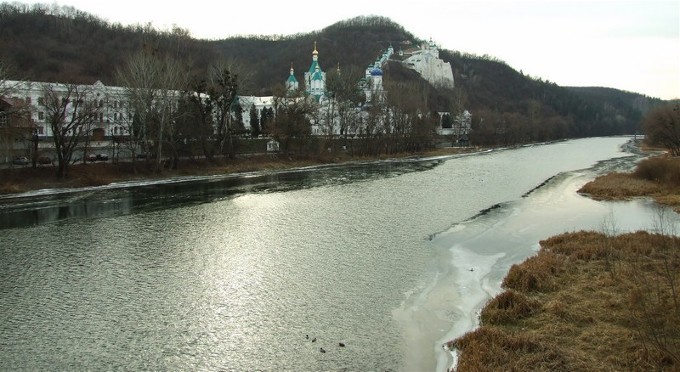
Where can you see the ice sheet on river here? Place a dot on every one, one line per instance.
(481, 250)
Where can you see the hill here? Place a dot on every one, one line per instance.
(50, 43)
(528, 106)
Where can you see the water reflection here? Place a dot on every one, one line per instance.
(121, 199)
(235, 279)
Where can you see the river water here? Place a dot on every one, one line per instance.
(262, 271)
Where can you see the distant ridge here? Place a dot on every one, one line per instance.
(47, 43)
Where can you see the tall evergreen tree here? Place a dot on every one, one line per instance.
(254, 122)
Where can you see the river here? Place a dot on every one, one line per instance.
(272, 271)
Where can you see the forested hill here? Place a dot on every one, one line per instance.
(508, 98)
(47, 43)
(63, 44)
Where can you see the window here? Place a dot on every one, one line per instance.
(101, 103)
(41, 130)
(41, 116)
(101, 117)
(41, 101)
(3, 119)
(28, 100)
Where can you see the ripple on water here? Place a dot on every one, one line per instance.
(233, 277)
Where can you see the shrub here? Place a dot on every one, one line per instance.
(508, 307)
(659, 169)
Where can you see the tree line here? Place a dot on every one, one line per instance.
(174, 115)
(510, 107)
(61, 44)
(662, 127)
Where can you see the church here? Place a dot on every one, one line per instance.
(315, 78)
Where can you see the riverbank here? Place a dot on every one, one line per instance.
(22, 179)
(657, 178)
(590, 300)
(255, 258)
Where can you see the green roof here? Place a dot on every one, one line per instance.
(314, 66)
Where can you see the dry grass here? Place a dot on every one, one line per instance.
(619, 186)
(588, 301)
(611, 304)
(536, 274)
(508, 307)
(657, 177)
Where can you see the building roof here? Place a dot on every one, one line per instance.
(314, 66)
(317, 75)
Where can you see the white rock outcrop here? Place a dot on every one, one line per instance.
(427, 63)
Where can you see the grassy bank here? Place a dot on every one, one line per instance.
(657, 177)
(588, 301)
(21, 179)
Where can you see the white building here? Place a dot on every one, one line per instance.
(114, 114)
(260, 103)
(112, 108)
(460, 127)
(372, 83)
(427, 63)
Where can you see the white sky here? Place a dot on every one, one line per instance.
(629, 45)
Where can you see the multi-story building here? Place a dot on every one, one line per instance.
(112, 110)
(113, 115)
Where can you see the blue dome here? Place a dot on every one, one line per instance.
(376, 71)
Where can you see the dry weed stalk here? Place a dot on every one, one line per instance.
(586, 301)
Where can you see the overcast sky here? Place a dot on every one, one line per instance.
(629, 45)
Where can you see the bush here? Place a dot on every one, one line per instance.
(662, 127)
(659, 169)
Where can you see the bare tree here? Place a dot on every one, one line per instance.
(244, 72)
(662, 127)
(199, 117)
(342, 85)
(70, 116)
(6, 87)
(223, 92)
(139, 77)
(171, 78)
(292, 119)
(152, 84)
(15, 114)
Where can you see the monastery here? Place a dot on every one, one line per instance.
(114, 114)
